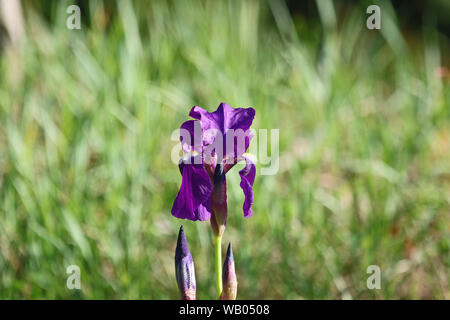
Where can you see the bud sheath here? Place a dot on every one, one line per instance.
(219, 200)
(229, 279)
(184, 268)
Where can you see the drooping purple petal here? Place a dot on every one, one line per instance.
(193, 199)
(247, 178)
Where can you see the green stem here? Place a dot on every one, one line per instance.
(218, 256)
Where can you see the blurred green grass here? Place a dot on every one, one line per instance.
(86, 118)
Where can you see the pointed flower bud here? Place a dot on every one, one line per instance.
(219, 200)
(229, 279)
(184, 268)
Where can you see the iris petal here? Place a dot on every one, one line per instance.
(193, 199)
(226, 121)
(191, 136)
(247, 178)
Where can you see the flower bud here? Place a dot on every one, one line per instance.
(184, 268)
(229, 280)
(219, 200)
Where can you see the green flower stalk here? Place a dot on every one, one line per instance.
(218, 219)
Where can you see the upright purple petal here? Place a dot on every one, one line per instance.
(225, 117)
(191, 136)
(193, 199)
(229, 123)
(247, 178)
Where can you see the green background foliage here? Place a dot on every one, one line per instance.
(86, 177)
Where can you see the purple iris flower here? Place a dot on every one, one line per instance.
(213, 143)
